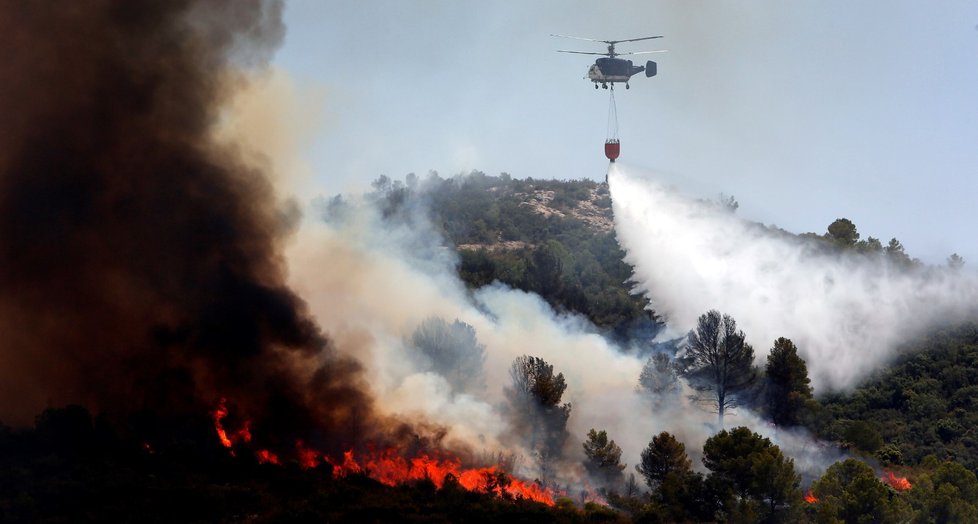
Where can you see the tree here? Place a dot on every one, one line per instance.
(631, 486)
(955, 261)
(947, 494)
(603, 461)
(728, 454)
(896, 255)
(728, 203)
(663, 457)
(452, 351)
(775, 483)
(788, 391)
(754, 469)
(850, 492)
(843, 232)
(863, 435)
(870, 246)
(658, 379)
(534, 406)
(718, 362)
(678, 493)
(547, 268)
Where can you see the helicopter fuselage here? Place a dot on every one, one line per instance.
(611, 70)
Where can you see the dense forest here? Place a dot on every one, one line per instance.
(906, 434)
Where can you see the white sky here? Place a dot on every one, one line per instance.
(805, 111)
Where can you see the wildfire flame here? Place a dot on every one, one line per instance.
(390, 468)
(811, 498)
(895, 482)
(267, 457)
(243, 434)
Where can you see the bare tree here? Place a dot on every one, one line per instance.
(631, 488)
(658, 380)
(718, 362)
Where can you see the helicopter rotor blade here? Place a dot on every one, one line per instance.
(581, 52)
(577, 38)
(643, 52)
(613, 42)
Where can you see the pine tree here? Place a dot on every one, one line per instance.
(533, 404)
(718, 362)
(663, 457)
(788, 391)
(603, 461)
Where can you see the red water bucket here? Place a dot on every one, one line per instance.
(612, 148)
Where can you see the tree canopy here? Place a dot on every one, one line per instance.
(533, 404)
(850, 492)
(658, 380)
(843, 232)
(753, 469)
(664, 456)
(452, 351)
(603, 459)
(788, 393)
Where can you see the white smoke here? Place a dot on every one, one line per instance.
(370, 283)
(847, 315)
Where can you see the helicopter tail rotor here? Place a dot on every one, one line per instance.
(650, 69)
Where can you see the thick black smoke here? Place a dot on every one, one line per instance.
(139, 263)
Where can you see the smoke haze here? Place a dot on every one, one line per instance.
(148, 263)
(382, 288)
(848, 315)
(139, 259)
(370, 282)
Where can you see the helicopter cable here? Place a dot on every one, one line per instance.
(612, 118)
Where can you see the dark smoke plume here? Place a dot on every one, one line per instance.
(139, 261)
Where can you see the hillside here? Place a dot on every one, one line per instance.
(554, 238)
(925, 404)
(911, 426)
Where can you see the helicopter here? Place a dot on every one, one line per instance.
(608, 70)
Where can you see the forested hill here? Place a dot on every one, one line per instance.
(916, 419)
(554, 238)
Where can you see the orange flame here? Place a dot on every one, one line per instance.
(592, 495)
(219, 413)
(308, 458)
(895, 482)
(243, 434)
(811, 498)
(388, 467)
(267, 457)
